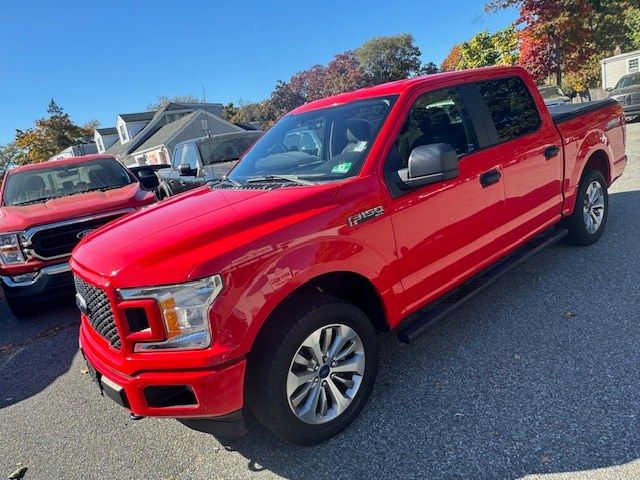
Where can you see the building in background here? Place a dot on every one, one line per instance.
(613, 68)
(76, 151)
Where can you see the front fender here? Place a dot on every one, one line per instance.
(293, 267)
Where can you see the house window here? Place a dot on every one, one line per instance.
(633, 65)
(123, 133)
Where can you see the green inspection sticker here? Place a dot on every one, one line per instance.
(341, 167)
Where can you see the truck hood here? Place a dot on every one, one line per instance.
(18, 218)
(164, 243)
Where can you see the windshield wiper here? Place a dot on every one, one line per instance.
(225, 179)
(35, 200)
(288, 178)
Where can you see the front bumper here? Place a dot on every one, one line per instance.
(52, 281)
(217, 392)
(631, 110)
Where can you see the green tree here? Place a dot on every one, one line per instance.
(9, 155)
(632, 23)
(385, 59)
(49, 136)
(485, 49)
(229, 111)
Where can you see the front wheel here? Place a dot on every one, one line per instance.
(313, 370)
(589, 217)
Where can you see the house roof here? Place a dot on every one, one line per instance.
(107, 131)
(166, 132)
(137, 117)
(622, 56)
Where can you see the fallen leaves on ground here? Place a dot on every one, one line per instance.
(569, 314)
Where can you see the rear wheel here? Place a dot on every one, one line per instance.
(313, 369)
(589, 217)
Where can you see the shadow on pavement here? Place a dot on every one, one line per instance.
(539, 374)
(35, 351)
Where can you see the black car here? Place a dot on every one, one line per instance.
(196, 162)
(627, 93)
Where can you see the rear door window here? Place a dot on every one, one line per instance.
(512, 109)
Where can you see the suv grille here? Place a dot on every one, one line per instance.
(57, 241)
(99, 311)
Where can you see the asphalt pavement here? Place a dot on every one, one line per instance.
(537, 377)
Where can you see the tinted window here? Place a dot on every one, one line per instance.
(436, 117)
(225, 148)
(33, 186)
(512, 109)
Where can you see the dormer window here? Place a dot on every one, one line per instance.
(124, 137)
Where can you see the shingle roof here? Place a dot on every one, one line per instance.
(137, 117)
(107, 131)
(162, 135)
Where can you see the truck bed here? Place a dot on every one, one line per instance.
(569, 111)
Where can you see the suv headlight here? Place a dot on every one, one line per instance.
(10, 252)
(184, 308)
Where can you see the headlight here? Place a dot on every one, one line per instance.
(184, 308)
(10, 252)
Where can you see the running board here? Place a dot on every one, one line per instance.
(475, 285)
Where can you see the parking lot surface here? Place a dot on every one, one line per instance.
(537, 377)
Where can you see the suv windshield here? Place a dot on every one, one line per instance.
(321, 145)
(225, 148)
(628, 80)
(33, 186)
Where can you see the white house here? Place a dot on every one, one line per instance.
(105, 137)
(613, 68)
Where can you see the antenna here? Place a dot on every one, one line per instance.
(204, 101)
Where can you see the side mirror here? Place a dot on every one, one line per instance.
(430, 164)
(148, 180)
(184, 170)
(609, 89)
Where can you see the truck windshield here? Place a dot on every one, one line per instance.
(34, 186)
(225, 148)
(321, 145)
(628, 81)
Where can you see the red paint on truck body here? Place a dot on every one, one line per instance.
(266, 244)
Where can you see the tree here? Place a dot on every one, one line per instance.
(478, 52)
(308, 84)
(282, 100)
(344, 73)
(229, 111)
(385, 59)
(450, 63)
(9, 155)
(163, 101)
(632, 22)
(49, 136)
(428, 69)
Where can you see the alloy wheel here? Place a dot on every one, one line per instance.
(593, 207)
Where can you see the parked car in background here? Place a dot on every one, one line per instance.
(265, 290)
(627, 93)
(45, 209)
(553, 95)
(205, 159)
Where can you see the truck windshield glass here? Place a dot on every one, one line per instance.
(628, 81)
(34, 186)
(226, 148)
(321, 145)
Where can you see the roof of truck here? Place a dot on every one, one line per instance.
(64, 161)
(399, 86)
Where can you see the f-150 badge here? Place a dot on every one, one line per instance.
(361, 217)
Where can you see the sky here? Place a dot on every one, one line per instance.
(99, 59)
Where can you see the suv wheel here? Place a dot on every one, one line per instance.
(589, 217)
(313, 370)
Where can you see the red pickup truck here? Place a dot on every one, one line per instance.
(266, 289)
(45, 209)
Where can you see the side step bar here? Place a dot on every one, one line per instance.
(465, 292)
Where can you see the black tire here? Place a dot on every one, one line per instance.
(274, 351)
(579, 233)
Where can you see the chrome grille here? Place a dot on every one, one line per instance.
(99, 311)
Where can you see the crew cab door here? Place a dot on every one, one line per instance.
(444, 231)
(530, 150)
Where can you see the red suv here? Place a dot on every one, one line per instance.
(45, 209)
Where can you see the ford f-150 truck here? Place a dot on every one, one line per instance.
(45, 209)
(265, 291)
